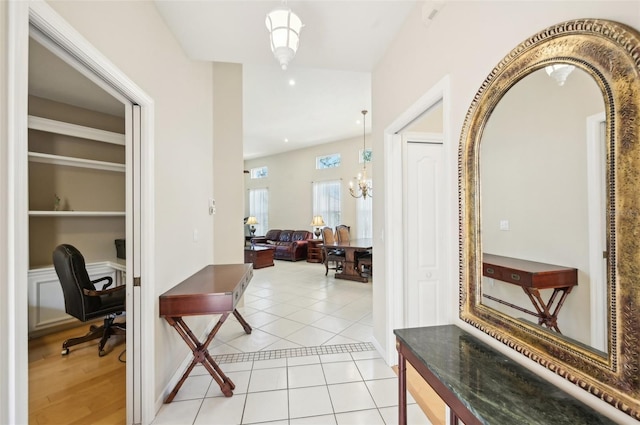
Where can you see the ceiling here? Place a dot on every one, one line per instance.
(340, 43)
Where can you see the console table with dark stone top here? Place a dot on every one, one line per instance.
(481, 385)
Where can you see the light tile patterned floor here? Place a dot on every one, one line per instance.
(309, 359)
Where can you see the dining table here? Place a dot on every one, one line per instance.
(350, 269)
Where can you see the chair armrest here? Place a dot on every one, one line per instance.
(91, 293)
(104, 278)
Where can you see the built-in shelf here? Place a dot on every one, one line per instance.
(74, 130)
(76, 213)
(69, 161)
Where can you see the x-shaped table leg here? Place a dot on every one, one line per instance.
(545, 315)
(201, 353)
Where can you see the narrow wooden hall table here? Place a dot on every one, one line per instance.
(216, 289)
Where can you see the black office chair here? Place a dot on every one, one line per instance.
(84, 302)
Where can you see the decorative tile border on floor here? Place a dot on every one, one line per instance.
(293, 352)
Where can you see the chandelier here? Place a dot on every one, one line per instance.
(559, 72)
(284, 29)
(361, 187)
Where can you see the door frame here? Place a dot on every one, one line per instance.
(395, 275)
(14, 391)
(596, 181)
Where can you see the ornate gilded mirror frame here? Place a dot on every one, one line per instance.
(610, 53)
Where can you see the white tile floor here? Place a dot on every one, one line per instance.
(341, 380)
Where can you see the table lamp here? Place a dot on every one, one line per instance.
(252, 220)
(318, 222)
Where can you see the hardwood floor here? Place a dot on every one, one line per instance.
(79, 388)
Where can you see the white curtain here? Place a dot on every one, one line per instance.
(364, 216)
(259, 208)
(327, 201)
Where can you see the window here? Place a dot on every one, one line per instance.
(259, 208)
(326, 201)
(365, 155)
(328, 161)
(364, 216)
(260, 172)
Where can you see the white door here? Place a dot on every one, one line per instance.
(423, 230)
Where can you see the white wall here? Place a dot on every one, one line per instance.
(465, 41)
(7, 387)
(228, 240)
(290, 179)
(134, 37)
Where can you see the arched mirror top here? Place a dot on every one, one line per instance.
(609, 53)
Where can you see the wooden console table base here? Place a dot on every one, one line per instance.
(212, 290)
(201, 353)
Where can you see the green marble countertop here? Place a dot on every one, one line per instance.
(496, 389)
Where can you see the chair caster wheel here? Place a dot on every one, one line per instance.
(65, 351)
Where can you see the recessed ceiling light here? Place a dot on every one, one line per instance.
(358, 122)
(286, 140)
(292, 82)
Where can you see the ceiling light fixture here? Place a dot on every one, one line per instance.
(284, 29)
(363, 188)
(559, 72)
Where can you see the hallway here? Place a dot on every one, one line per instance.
(309, 359)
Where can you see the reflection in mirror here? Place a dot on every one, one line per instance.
(543, 199)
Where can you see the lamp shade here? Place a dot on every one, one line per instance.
(317, 221)
(284, 30)
(252, 220)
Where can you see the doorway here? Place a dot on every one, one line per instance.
(598, 250)
(396, 231)
(38, 19)
(77, 164)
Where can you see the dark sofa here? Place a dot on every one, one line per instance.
(288, 245)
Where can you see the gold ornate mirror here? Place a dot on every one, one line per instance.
(549, 185)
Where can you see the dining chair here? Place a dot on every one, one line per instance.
(343, 233)
(330, 253)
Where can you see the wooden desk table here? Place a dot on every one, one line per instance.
(481, 385)
(532, 276)
(213, 290)
(350, 270)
